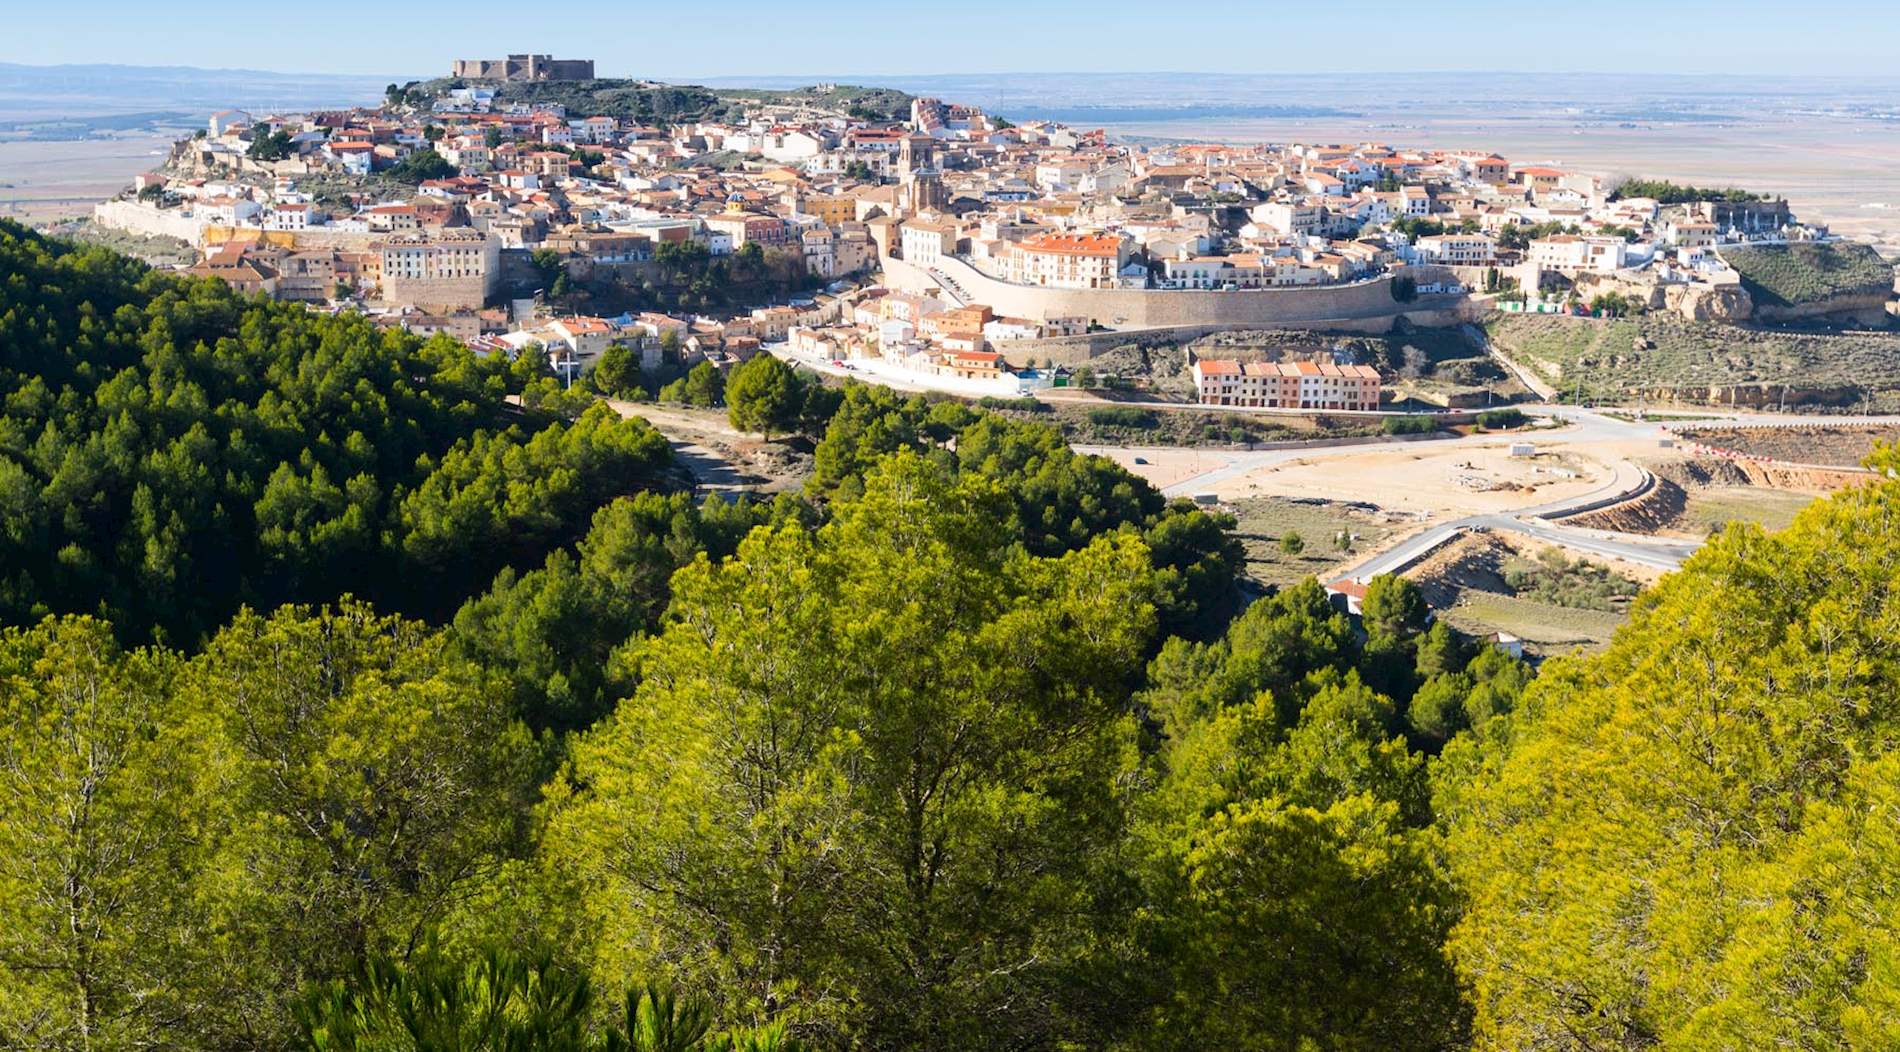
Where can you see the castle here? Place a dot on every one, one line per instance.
(524, 67)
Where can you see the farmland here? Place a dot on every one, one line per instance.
(1711, 509)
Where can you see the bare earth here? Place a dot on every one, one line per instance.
(1418, 478)
(45, 181)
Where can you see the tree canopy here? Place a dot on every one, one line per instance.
(1689, 841)
(169, 449)
(346, 704)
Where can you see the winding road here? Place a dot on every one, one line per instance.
(1580, 427)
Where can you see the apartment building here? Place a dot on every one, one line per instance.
(1458, 250)
(750, 227)
(1286, 385)
(1571, 254)
(925, 242)
(1069, 261)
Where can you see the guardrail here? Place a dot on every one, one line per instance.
(1644, 483)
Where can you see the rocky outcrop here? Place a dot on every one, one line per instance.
(1700, 302)
(1724, 301)
(1868, 309)
(1763, 395)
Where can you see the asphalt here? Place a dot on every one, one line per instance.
(1578, 426)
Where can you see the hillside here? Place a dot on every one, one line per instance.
(452, 733)
(1690, 840)
(646, 101)
(873, 104)
(1665, 357)
(170, 450)
(1801, 275)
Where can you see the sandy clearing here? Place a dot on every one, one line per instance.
(1462, 480)
(1167, 467)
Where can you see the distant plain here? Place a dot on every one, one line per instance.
(1831, 145)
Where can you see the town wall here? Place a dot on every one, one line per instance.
(135, 218)
(309, 239)
(1077, 349)
(461, 293)
(1305, 307)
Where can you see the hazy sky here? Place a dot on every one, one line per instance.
(738, 37)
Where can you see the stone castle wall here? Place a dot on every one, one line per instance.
(523, 68)
(467, 293)
(136, 218)
(1326, 306)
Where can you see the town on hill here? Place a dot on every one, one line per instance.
(521, 201)
(540, 561)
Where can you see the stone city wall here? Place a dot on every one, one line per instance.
(468, 293)
(135, 218)
(1369, 300)
(1074, 350)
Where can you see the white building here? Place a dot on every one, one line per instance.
(1570, 254)
(286, 216)
(926, 243)
(1460, 250)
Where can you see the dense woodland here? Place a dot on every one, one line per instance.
(347, 706)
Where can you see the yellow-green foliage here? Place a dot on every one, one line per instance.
(1690, 840)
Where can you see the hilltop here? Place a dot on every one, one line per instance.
(1660, 356)
(1802, 279)
(646, 100)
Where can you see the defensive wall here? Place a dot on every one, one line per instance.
(139, 218)
(1074, 350)
(136, 218)
(1363, 306)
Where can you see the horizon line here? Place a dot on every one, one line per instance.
(854, 79)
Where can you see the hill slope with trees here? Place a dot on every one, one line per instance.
(169, 450)
(970, 745)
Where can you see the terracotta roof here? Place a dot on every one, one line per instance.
(1074, 244)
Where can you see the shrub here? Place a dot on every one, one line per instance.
(1122, 416)
(1019, 405)
(1409, 425)
(1785, 275)
(1501, 419)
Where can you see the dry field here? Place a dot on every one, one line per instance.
(1485, 583)
(1264, 522)
(1426, 478)
(45, 181)
(1842, 447)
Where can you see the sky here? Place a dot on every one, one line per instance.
(679, 41)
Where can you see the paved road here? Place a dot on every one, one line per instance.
(1629, 483)
(1577, 426)
(1531, 381)
(1653, 552)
